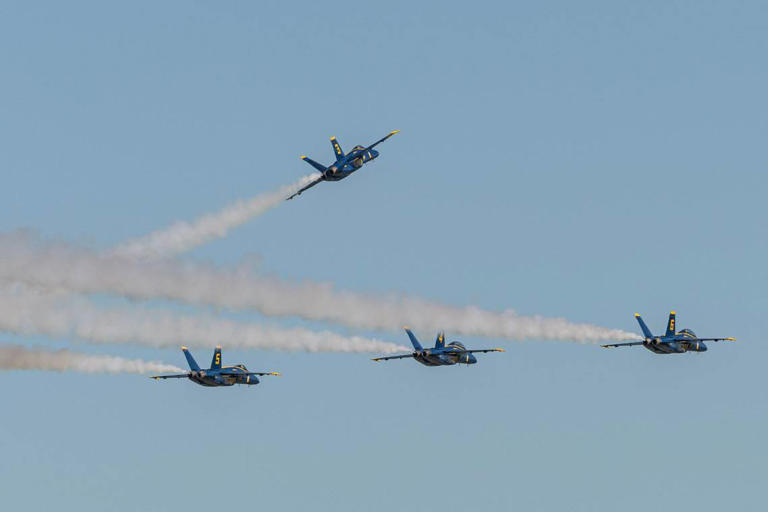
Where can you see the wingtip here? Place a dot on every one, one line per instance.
(500, 350)
(333, 137)
(637, 315)
(394, 132)
(605, 346)
(672, 313)
(405, 327)
(730, 339)
(303, 157)
(184, 348)
(278, 374)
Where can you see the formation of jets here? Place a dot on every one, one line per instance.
(442, 354)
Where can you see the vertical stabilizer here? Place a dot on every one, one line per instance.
(337, 149)
(646, 331)
(319, 167)
(190, 360)
(671, 324)
(416, 345)
(216, 361)
(440, 340)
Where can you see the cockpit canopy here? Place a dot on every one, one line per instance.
(458, 344)
(687, 333)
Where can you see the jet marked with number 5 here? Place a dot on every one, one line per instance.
(671, 342)
(216, 375)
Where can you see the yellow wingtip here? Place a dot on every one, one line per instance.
(277, 373)
(303, 157)
(672, 313)
(394, 132)
(731, 339)
(333, 138)
(184, 348)
(637, 314)
(406, 328)
(500, 350)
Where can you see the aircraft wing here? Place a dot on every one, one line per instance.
(483, 350)
(614, 345)
(175, 376)
(312, 184)
(379, 141)
(240, 374)
(387, 358)
(715, 339)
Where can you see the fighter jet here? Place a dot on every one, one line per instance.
(442, 354)
(672, 342)
(345, 164)
(216, 375)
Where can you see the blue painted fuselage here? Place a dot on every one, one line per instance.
(227, 376)
(678, 343)
(453, 353)
(349, 163)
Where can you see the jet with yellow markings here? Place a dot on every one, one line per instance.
(671, 342)
(442, 354)
(345, 164)
(216, 375)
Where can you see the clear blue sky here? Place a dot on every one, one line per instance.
(576, 159)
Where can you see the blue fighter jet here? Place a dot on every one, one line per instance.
(345, 164)
(672, 342)
(216, 375)
(442, 354)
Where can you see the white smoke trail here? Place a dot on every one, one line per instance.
(84, 271)
(15, 357)
(24, 311)
(184, 236)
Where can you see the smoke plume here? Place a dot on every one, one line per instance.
(80, 270)
(184, 236)
(26, 311)
(15, 357)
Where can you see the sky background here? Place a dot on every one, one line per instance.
(578, 159)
